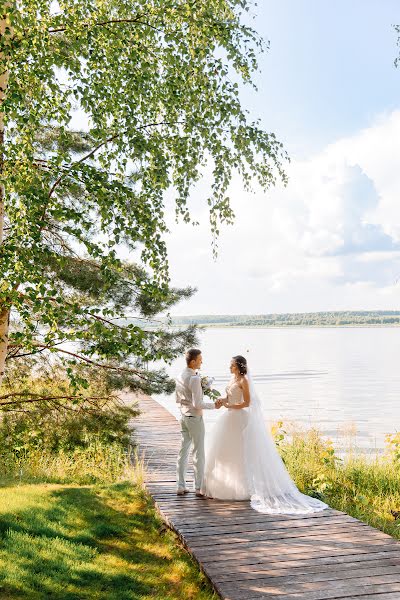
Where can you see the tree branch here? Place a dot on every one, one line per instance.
(86, 314)
(39, 398)
(41, 349)
(97, 364)
(110, 22)
(92, 152)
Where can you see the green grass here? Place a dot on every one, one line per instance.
(100, 541)
(363, 487)
(96, 463)
(79, 525)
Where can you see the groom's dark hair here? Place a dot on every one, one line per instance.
(192, 354)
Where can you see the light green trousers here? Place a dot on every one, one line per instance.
(192, 431)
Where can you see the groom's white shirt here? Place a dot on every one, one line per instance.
(189, 394)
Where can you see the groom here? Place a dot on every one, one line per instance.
(189, 396)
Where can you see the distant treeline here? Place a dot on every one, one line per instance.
(318, 319)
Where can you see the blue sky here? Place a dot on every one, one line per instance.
(329, 90)
(329, 70)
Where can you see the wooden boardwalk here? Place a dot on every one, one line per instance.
(247, 555)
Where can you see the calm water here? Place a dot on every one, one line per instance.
(346, 381)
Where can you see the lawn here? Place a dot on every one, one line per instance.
(91, 541)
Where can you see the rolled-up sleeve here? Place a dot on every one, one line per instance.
(197, 394)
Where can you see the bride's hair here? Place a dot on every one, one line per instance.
(241, 364)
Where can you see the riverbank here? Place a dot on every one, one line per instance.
(365, 487)
(81, 526)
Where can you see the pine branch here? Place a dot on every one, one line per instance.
(94, 363)
(40, 398)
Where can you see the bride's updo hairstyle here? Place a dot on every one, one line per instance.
(241, 364)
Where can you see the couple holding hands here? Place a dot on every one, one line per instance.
(241, 461)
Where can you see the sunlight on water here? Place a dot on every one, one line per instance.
(345, 381)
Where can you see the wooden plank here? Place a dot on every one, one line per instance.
(330, 576)
(219, 543)
(277, 570)
(385, 596)
(193, 520)
(288, 562)
(371, 592)
(244, 534)
(295, 556)
(219, 528)
(255, 524)
(290, 546)
(248, 555)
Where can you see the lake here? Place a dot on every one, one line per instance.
(345, 381)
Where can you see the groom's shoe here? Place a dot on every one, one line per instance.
(182, 491)
(200, 494)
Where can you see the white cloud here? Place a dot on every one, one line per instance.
(376, 151)
(330, 240)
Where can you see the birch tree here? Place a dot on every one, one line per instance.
(5, 33)
(157, 82)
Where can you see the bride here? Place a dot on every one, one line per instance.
(242, 462)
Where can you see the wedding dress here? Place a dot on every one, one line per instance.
(225, 470)
(242, 462)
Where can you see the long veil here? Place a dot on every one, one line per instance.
(272, 490)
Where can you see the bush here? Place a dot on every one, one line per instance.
(50, 430)
(65, 428)
(43, 410)
(365, 487)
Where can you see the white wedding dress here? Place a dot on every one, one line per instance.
(242, 462)
(225, 471)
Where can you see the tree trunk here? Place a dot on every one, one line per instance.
(4, 310)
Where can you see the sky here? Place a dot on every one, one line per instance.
(330, 240)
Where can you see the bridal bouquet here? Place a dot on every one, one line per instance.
(208, 390)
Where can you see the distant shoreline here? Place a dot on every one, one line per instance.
(344, 319)
(287, 326)
(360, 318)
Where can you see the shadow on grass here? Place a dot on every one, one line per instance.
(86, 542)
